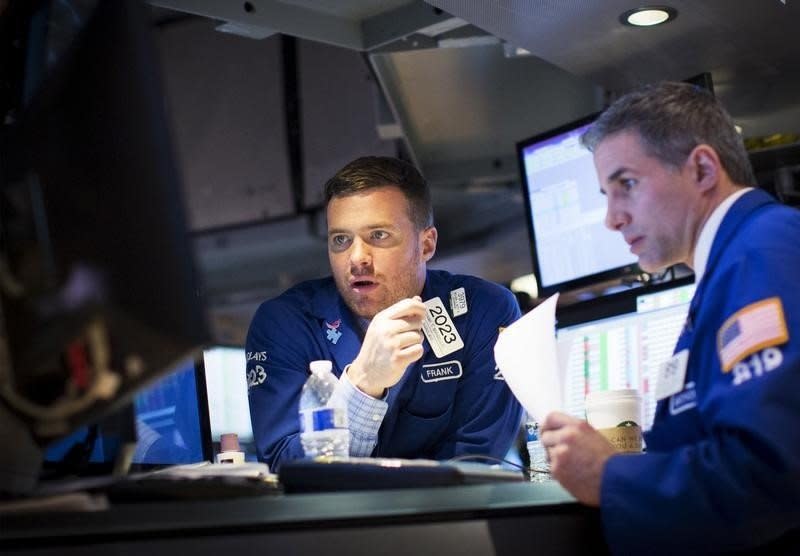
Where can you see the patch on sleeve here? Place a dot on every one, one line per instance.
(755, 327)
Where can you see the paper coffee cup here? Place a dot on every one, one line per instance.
(617, 415)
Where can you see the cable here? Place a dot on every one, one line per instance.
(527, 471)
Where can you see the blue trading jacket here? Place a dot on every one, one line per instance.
(722, 469)
(475, 413)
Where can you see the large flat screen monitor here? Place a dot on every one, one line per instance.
(620, 342)
(93, 236)
(565, 211)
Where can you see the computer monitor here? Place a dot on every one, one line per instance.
(620, 342)
(226, 397)
(171, 422)
(171, 428)
(99, 293)
(565, 212)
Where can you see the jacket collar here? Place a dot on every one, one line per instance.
(709, 232)
(738, 212)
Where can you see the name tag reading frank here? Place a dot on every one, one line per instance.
(440, 330)
(447, 370)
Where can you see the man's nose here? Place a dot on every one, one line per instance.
(616, 219)
(360, 253)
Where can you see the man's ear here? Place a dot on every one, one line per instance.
(429, 236)
(705, 167)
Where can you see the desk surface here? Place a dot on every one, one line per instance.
(480, 509)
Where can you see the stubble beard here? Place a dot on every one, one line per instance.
(409, 285)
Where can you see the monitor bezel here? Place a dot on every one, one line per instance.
(202, 408)
(612, 305)
(576, 283)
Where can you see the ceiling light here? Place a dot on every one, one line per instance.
(648, 16)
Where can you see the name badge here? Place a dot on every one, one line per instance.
(684, 400)
(441, 371)
(458, 302)
(440, 330)
(671, 375)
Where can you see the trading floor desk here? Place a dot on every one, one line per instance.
(493, 519)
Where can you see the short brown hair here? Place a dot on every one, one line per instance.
(672, 118)
(370, 172)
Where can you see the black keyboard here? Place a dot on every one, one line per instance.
(337, 474)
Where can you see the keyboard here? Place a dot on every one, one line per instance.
(337, 474)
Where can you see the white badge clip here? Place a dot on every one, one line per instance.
(440, 330)
(672, 375)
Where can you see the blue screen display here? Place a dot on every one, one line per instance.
(567, 211)
(167, 426)
(168, 421)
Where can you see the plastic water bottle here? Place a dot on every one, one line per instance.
(323, 426)
(539, 466)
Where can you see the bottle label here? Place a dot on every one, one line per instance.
(532, 431)
(323, 418)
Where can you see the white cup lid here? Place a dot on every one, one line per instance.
(604, 396)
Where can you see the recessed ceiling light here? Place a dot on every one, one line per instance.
(648, 16)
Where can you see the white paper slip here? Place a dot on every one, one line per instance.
(440, 330)
(525, 352)
(672, 375)
(458, 302)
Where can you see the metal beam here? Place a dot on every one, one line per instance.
(289, 19)
(399, 23)
(412, 26)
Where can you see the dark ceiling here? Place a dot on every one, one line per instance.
(749, 46)
(459, 94)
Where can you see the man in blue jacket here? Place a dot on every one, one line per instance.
(722, 468)
(413, 347)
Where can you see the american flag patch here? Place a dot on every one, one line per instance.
(757, 326)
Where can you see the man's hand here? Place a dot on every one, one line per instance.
(578, 454)
(393, 341)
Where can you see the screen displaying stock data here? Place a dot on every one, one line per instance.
(566, 213)
(624, 350)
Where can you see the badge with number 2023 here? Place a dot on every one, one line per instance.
(440, 330)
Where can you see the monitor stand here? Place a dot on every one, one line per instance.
(20, 456)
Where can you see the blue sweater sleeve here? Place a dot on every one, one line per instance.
(277, 348)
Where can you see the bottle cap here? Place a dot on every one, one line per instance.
(229, 442)
(321, 365)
